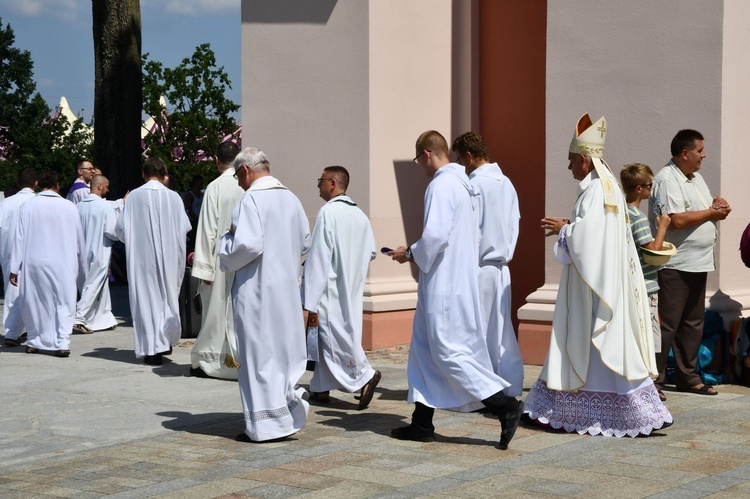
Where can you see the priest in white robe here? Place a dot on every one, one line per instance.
(597, 375)
(264, 246)
(80, 188)
(215, 350)
(498, 217)
(153, 225)
(47, 264)
(343, 246)
(98, 219)
(449, 364)
(10, 210)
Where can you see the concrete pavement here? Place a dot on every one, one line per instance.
(101, 423)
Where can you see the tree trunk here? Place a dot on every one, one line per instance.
(118, 92)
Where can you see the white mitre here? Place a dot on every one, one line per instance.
(588, 140)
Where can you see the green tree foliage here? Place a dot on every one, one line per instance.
(199, 116)
(29, 137)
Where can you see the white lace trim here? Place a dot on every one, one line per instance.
(598, 413)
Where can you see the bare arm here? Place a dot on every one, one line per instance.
(553, 225)
(662, 222)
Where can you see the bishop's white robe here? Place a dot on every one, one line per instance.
(217, 338)
(498, 216)
(10, 210)
(98, 219)
(270, 235)
(449, 365)
(153, 225)
(48, 256)
(596, 378)
(343, 246)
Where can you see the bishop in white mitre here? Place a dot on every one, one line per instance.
(98, 219)
(597, 375)
(269, 235)
(215, 350)
(153, 225)
(47, 264)
(10, 210)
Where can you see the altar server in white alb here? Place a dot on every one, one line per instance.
(343, 246)
(98, 219)
(498, 217)
(10, 210)
(215, 351)
(597, 376)
(47, 264)
(449, 365)
(153, 225)
(264, 246)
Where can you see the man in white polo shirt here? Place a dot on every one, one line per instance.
(680, 191)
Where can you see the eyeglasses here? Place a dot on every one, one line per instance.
(649, 186)
(237, 171)
(321, 180)
(416, 158)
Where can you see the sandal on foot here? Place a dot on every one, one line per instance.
(322, 397)
(81, 329)
(662, 397)
(702, 390)
(32, 350)
(368, 391)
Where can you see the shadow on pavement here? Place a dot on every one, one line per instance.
(366, 420)
(218, 424)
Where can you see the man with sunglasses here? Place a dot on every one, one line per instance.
(343, 246)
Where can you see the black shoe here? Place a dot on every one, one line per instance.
(509, 417)
(31, 349)
(168, 352)
(197, 372)
(62, 353)
(666, 425)
(153, 360)
(412, 433)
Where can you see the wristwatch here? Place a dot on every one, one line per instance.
(408, 253)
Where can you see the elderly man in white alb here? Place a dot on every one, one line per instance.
(98, 219)
(597, 376)
(10, 208)
(215, 351)
(153, 225)
(264, 246)
(449, 365)
(498, 217)
(48, 233)
(343, 246)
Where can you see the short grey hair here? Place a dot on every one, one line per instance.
(255, 159)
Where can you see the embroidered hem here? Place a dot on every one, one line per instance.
(638, 412)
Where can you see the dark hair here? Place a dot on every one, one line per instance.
(226, 152)
(684, 140)
(49, 179)
(154, 167)
(27, 177)
(471, 142)
(80, 162)
(340, 173)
